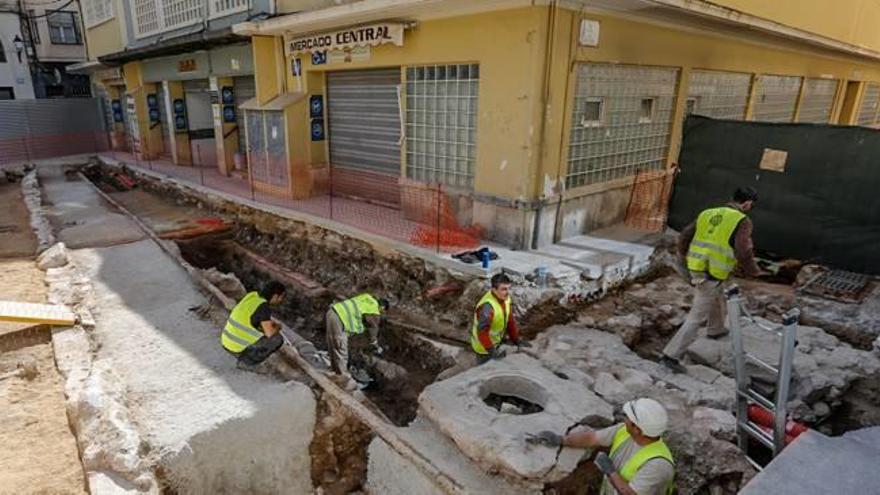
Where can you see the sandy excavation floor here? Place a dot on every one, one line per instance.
(38, 453)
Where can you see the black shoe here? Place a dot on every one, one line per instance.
(717, 335)
(246, 366)
(673, 364)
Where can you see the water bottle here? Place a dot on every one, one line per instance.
(541, 276)
(486, 259)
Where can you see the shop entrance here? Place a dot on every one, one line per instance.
(363, 111)
(201, 122)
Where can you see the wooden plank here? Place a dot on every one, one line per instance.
(48, 314)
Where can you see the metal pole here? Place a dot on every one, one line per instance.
(439, 186)
(331, 191)
(201, 169)
(786, 358)
(742, 383)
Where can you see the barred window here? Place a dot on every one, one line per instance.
(776, 98)
(818, 100)
(441, 123)
(635, 121)
(221, 8)
(720, 95)
(64, 28)
(869, 106)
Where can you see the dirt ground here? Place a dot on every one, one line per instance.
(15, 231)
(39, 453)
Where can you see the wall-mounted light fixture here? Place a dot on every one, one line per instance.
(18, 44)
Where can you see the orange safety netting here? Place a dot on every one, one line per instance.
(649, 201)
(437, 225)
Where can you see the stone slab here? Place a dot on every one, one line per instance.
(815, 464)
(496, 440)
(389, 473)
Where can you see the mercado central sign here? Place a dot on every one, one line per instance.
(373, 34)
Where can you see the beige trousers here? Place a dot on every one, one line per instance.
(708, 308)
(337, 343)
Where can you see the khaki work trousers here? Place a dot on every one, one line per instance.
(337, 343)
(708, 307)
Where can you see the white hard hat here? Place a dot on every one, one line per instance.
(648, 414)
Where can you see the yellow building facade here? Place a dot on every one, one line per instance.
(535, 117)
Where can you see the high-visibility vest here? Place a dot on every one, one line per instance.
(352, 311)
(710, 249)
(643, 455)
(500, 317)
(238, 332)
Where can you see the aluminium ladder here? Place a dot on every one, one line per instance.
(745, 393)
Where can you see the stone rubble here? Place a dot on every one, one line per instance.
(697, 402)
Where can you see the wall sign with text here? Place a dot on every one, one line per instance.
(369, 35)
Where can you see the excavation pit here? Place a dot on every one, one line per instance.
(406, 367)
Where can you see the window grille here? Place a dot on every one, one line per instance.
(818, 100)
(441, 123)
(720, 95)
(870, 103)
(776, 98)
(637, 104)
(220, 8)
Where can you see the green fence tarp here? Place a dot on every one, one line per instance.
(824, 207)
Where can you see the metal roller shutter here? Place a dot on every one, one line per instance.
(245, 89)
(364, 119)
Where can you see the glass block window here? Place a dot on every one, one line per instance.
(96, 11)
(869, 105)
(635, 113)
(441, 123)
(720, 95)
(776, 98)
(818, 100)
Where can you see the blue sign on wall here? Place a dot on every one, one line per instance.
(179, 106)
(319, 58)
(229, 114)
(227, 95)
(317, 128)
(154, 115)
(116, 107)
(152, 101)
(316, 106)
(180, 123)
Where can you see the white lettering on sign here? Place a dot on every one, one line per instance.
(374, 34)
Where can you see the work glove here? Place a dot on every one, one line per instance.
(604, 463)
(496, 353)
(376, 349)
(547, 438)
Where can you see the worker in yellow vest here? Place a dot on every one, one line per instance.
(638, 462)
(250, 333)
(349, 318)
(712, 246)
(493, 320)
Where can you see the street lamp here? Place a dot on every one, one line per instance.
(18, 44)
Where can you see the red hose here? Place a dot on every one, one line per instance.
(764, 418)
